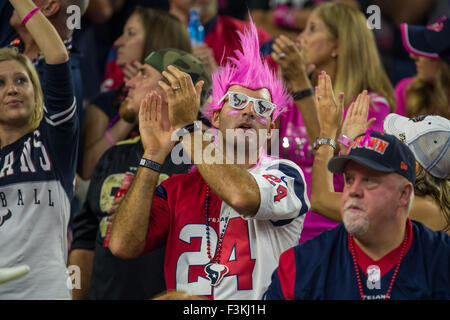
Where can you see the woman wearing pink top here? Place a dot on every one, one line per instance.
(429, 91)
(336, 40)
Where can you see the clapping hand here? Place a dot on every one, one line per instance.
(156, 140)
(291, 61)
(329, 112)
(183, 97)
(355, 121)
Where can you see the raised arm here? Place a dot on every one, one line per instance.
(42, 31)
(232, 183)
(329, 113)
(324, 200)
(130, 227)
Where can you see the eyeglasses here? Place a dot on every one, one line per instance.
(239, 101)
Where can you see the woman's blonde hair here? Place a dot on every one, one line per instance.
(438, 189)
(424, 97)
(8, 54)
(358, 64)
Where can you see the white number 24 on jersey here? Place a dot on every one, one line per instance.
(190, 275)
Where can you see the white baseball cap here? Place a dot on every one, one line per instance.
(428, 137)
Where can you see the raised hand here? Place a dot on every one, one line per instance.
(206, 55)
(131, 69)
(156, 140)
(355, 121)
(183, 97)
(42, 32)
(291, 61)
(329, 112)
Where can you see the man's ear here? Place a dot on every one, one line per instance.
(215, 118)
(405, 195)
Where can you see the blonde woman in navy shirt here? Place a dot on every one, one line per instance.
(38, 151)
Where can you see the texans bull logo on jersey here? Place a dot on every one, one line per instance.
(215, 273)
(5, 217)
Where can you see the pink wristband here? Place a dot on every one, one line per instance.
(344, 140)
(29, 15)
(110, 139)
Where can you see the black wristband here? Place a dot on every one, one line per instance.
(147, 163)
(303, 93)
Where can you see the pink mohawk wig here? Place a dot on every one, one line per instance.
(248, 70)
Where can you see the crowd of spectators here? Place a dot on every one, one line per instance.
(351, 175)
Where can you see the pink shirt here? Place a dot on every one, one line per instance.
(294, 146)
(400, 95)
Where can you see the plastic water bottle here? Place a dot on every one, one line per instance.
(195, 28)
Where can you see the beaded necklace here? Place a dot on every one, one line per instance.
(214, 270)
(351, 242)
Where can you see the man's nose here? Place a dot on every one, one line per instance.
(249, 110)
(355, 189)
(131, 83)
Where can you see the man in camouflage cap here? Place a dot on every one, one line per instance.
(224, 224)
(111, 277)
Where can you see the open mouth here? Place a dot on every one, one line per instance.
(245, 126)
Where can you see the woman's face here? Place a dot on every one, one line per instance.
(427, 69)
(316, 43)
(131, 43)
(17, 98)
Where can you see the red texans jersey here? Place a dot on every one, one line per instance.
(251, 246)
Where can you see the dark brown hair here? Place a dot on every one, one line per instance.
(162, 30)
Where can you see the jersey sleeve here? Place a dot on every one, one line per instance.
(283, 192)
(159, 220)
(59, 98)
(60, 126)
(282, 286)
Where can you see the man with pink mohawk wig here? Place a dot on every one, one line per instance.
(247, 69)
(226, 224)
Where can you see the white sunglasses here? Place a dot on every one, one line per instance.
(239, 101)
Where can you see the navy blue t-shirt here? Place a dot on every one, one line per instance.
(323, 269)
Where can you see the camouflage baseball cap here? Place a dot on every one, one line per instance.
(184, 61)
